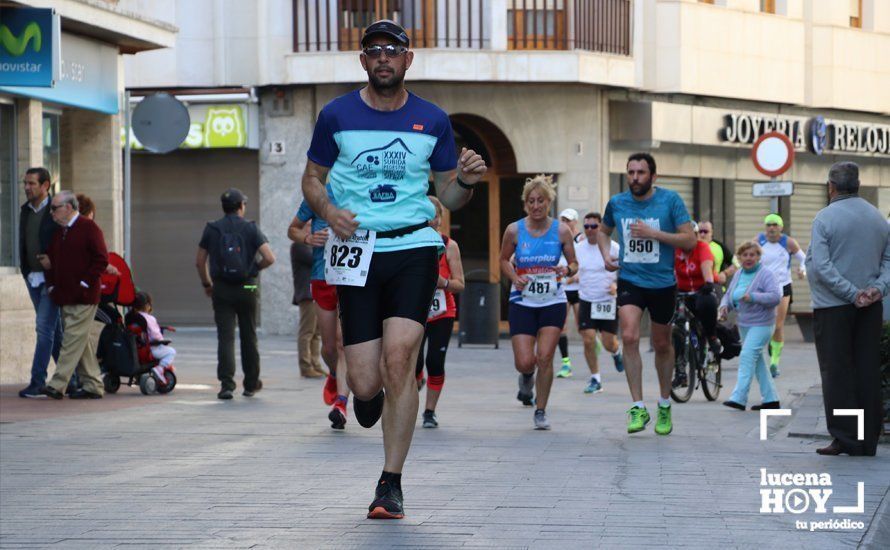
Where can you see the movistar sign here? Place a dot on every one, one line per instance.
(29, 47)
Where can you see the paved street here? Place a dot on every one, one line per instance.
(187, 470)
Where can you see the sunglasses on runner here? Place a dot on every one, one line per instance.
(703, 231)
(772, 225)
(591, 225)
(390, 50)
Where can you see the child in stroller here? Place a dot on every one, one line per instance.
(149, 334)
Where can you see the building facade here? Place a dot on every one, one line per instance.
(568, 87)
(72, 129)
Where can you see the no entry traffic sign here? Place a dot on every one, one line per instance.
(773, 154)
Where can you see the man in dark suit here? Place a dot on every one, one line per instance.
(76, 257)
(36, 228)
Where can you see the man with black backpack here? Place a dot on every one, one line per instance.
(231, 243)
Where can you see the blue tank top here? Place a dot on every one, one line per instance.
(536, 258)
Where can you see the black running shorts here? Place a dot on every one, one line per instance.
(659, 301)
(399, 284)
(586, 323)
(572, 297)
(529, 320)
(787, 290)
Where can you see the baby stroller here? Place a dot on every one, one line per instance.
(124, 349)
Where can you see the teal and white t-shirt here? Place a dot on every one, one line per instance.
(380, 163)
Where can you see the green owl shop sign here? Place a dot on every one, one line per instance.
(212, 127)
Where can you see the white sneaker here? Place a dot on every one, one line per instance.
(541, 422)
(159, 373)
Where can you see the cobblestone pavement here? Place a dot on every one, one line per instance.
(187, 470)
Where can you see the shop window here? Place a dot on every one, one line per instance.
(8, 186)
(52, 158)
(856, 14)
(768, 6)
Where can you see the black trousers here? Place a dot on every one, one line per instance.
(704, 307)
(848, 348)
(236, 303)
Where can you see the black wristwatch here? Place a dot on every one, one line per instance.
(206, 285)
(465, 185)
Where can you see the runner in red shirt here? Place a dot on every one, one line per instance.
(440, 322)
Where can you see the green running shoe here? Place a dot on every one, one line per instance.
(566, 370)
(663, 424)
(638, 418)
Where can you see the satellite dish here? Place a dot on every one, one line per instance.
(161, 122)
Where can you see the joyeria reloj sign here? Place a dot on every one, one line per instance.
(816, 134)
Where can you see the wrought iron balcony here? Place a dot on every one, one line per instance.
(592, 25)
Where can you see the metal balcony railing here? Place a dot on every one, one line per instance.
(594, 25)
(337, 25)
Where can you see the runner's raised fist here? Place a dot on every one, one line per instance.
(470, 166)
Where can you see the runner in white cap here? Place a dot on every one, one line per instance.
(569, 216)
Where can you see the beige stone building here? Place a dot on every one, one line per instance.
(73, 129)
(568, 87)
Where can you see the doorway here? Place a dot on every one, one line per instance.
(479, 226)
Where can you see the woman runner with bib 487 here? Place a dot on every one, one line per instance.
(537, 297)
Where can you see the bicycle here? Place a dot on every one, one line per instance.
(691, 365)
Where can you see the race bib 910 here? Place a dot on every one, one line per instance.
(603, 310)
(346, 262)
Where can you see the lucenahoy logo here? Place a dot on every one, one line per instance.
(16, 45)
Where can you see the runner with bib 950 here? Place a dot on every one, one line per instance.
(651, 222)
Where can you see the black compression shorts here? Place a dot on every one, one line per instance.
(659, 301)
(399, 284)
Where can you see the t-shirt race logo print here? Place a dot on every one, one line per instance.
(388, 162)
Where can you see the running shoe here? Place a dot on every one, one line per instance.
(637, 419)
(368, 412)
(337, 416)
(526, 390)
(329, 392)
(774, 371)
(566, 370)
(663, 424)
(541, 422)
(430, 420)
(387, 503)
(594, 386)
(619, 362)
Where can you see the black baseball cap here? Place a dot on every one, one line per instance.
(387, 27)
(233, 197)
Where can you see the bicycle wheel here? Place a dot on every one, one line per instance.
(683, 383)
(710, 379)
